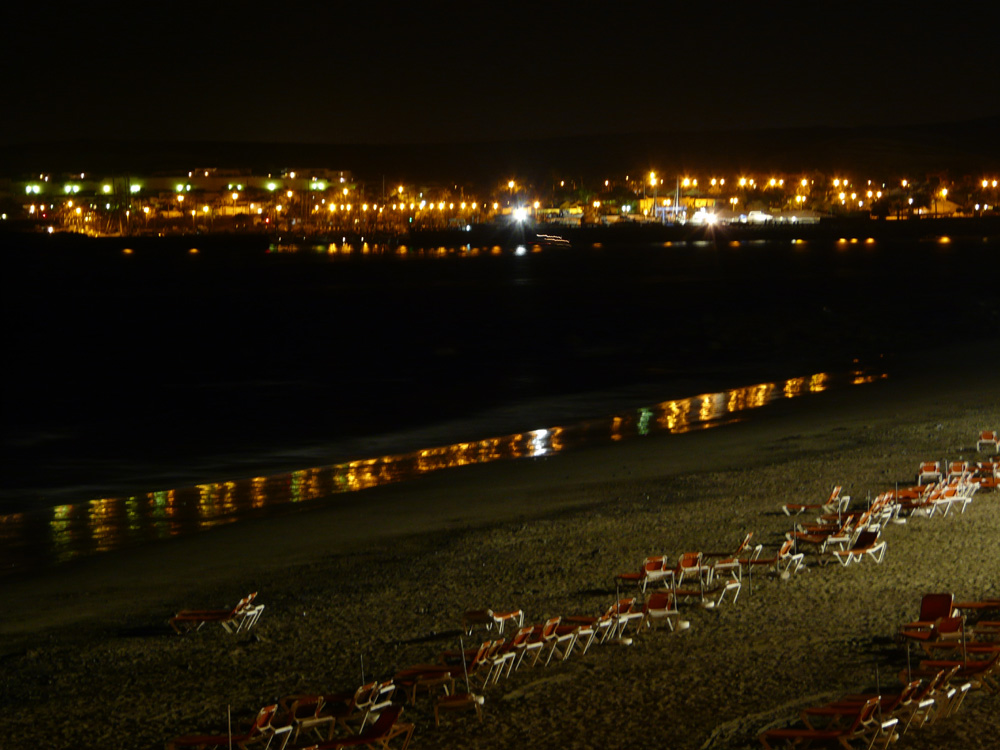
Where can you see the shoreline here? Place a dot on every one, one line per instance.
(388, 579)
(507, 235)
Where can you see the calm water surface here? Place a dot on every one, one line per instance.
(163, 367)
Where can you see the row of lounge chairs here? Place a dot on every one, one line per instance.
(849, 535)
(365, 717)
(933, 691)
(371, 715)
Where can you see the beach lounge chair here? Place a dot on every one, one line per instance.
(904, 705)
(986, 474)
(458, 702)
(349, 711)
(305, 712)
(723, 586)
(821, 537)
(929, 470)
(691, 566)
(241, 617)
(727, 563)
(854, 723)
(522, 644)
(988, 437)
(831, 504)
(489, 619)
(981, 673)
(262, 730)
(622, 614)
(933, 607)
(428, 677)
(483, 662)
(660, 607)
(957, 470)
(867, 543)
(784, 561)
(536, 640)
(386, 728)
(654, 569)
(561, 640)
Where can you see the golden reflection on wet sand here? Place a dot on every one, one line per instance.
(66, 532)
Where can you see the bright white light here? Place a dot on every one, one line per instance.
(521, 250)
(520, 214)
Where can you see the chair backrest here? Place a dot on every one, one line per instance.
(745, 543)
(689, 560)
(549, 628)
(865, 539)
(264, 718)
(364, 696)
(306, 707)
(866, 715)
(906, 695)
(622, 606)
(659, 600)
(934, 606)
(521, 636)
(383, 724)
(654, 564)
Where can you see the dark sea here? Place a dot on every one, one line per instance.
(137, 366)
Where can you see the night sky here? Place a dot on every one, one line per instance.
(424, 72)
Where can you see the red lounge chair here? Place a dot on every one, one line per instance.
(241, 617)
(386, 728)
(653, 570)
(784, 561)
(305, 712)
(830, 505)
(863, 725)
(660, 607)
(350, 711)
(458, 702)
(988, 437)
(489, 619)
(933, 607)
(867, 543)
(982, 673)
(929, 470)
(260, 730)
(905, 705)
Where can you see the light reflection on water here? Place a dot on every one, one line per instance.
(67, 532)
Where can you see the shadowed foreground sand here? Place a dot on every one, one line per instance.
(89, 662)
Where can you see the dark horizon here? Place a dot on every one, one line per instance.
(957, 148)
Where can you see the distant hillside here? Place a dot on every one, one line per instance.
(970, 147)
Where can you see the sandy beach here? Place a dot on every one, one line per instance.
(379, 581)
